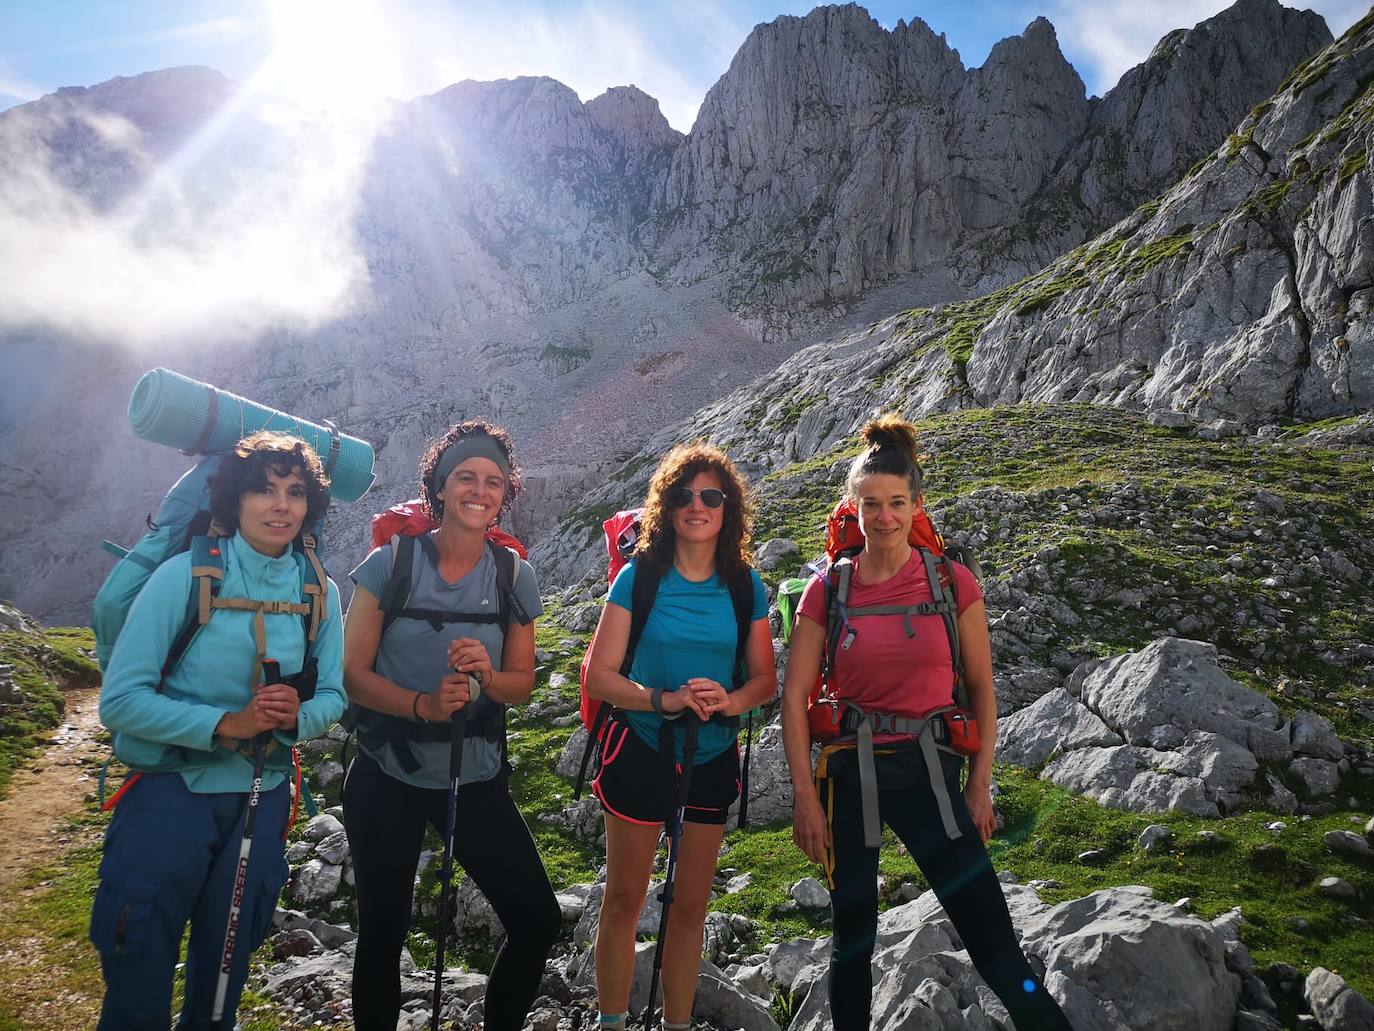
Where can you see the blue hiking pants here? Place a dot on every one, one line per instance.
(171, 856)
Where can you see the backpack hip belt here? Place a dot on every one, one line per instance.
(930, 732)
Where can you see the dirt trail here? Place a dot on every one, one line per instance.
(45, 795)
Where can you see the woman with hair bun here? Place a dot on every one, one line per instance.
(894, 676)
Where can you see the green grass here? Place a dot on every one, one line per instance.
(43, 666)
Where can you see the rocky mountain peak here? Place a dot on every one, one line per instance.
(535, 114)
(629, 113)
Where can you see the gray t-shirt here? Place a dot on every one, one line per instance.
(415, 656)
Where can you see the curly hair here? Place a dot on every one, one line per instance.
(891, 449)
(429, 461)
(658, 540)
(245, 469)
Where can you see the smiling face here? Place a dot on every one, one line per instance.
(886, 509)
(270, 517)
(473, 493)
(695, 521)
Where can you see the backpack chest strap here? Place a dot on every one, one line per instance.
(259, 609)
(926, 608)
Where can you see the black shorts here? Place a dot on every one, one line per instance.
(632, 782)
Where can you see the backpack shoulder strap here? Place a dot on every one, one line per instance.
(837, 583)
(642, 595)
(397, 590)
(742, 599)
(207, 577)
(314, 590)
(939, 592)
(507, 573)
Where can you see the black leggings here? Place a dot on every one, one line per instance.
(385, 820)
(959, 871)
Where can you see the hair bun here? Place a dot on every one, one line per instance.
(890, 430)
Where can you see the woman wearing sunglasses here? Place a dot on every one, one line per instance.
(690, 665)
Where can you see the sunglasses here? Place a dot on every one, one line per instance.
(681, 497)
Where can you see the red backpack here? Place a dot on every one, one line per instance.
(410, 519)
(622, 534)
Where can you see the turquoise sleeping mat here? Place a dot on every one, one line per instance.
(169, 408)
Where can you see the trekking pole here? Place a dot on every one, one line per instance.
(455, 769)
(665, 897)
(271, 674)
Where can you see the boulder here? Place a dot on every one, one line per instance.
(1179, 682)
(316, 881)
(1317, 776)
(1056, 722)
(1103, 942)
(1336, 1005)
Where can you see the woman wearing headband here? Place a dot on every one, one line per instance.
(460, 634)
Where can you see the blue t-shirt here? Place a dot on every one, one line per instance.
(691, 632)
(415, 656)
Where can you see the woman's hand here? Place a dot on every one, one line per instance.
(451, 696)
(978, 798)
(709, 696)
(810, 828)
(676, 701)
(260, 715)
(282, 701)
(469, 655)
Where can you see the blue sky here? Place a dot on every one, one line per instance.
(403, 48)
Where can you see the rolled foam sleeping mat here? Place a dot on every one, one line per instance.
(169, 408)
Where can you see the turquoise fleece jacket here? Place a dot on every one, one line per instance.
(174, 728)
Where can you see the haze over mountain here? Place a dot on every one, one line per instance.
(580, 272)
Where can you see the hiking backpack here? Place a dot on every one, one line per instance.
(399, 528)
(184, 523)
(622, 535)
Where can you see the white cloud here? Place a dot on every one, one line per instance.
(1106, 39)
(249, 228)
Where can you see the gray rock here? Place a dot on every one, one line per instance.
(570, 759)
(1154, 837)
(334, 848)
(1337, 888)
(790, 958)
(810, 894)
(1347, 843)
(1056, 722)
(1335, 1004)
(1179, 683)
(316, 881)
(1312, 735)
(772, 553)
(1318, 776)
(321, 827)
(1101, 941)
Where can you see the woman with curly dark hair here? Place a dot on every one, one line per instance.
(688, 683)
(463, 633)
(193, 726)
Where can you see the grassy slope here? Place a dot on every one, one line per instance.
(41, 668)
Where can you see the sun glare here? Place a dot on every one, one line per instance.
(330, 53)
